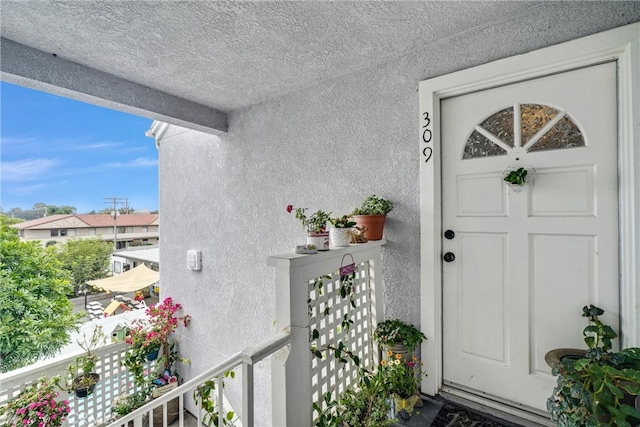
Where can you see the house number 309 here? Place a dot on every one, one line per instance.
(427, 136)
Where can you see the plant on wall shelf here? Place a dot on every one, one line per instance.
(343, 221)
(374, 205)
(315, 223)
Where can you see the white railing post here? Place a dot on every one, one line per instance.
(291, 378)
(247, 394)
(298, 380)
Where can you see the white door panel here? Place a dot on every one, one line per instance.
(526, 262)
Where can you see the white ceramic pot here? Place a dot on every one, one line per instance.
(340, 237)
(319, 240)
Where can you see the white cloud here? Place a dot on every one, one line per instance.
(24, 190)
(10, 140)
(91, 146)
(27, 169)
(137, 163)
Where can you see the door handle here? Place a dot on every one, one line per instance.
(449, 234)
(449, 257)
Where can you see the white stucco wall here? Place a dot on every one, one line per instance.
(326, 147)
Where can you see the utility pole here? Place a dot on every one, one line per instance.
(114, 202)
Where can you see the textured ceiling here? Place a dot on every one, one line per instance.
(228, 55)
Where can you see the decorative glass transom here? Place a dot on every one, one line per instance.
(531, 126)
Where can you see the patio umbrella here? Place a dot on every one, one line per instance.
(137, 278)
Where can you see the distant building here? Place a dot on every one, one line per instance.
(131, 257)
(129, 229)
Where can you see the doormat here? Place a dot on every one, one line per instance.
(451, 415)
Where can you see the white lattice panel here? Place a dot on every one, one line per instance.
(85, 412)
(331, 315)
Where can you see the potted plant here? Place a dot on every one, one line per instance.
(340, 234)
(150, 336)
(81, 377)
(153, 334)
(37, 405)
(315, 225)
(372, 214)
(396, 336)
(599, 387)
(516, 178)
(126, 403)
(366, 404)
(402, 379)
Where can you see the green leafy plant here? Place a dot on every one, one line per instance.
(597, 389)
(374, 205)
(36, 314)
(35, 406)
(366, 404)
(343, 221)
(89, 360)
(315, 223)
(127, 403)
(402, 381)
(402, 377)
(517, 177)
(204, 395)
(80, 376)
(393, 331)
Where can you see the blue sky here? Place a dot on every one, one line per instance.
(60, 152)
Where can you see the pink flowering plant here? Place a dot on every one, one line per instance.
(37, 405)
(154, 333)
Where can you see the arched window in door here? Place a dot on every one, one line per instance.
(534, 127)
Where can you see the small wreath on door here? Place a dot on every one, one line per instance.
(517, 178)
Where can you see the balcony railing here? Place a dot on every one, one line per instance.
(311, 310)
(95, 408)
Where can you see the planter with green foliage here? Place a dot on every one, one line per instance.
(81, 377)
(601, 387)
(518, 178)
(372, 215)
(394, 334)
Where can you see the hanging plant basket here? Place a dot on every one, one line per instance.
(85, 384)
(518, 178)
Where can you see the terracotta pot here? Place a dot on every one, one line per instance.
(374, 224)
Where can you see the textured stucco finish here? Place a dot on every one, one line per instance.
(325, 147)
(231, 54)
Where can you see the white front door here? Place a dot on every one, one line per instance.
(527, 261)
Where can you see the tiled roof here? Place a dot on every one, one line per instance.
(93, 220)
(40, 221)
(124, 220)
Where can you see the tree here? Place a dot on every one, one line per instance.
(84, 259)
(35, 314)
(10, 221)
